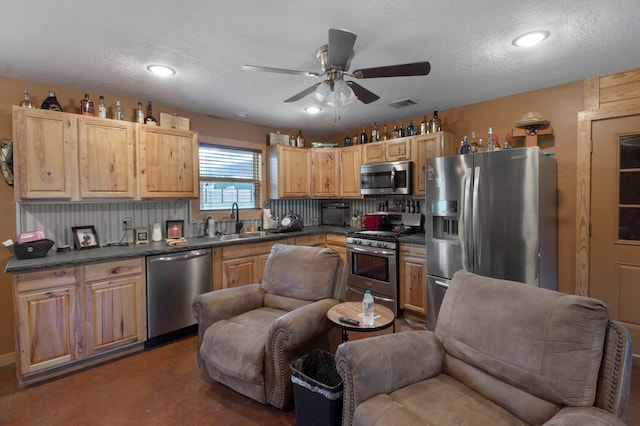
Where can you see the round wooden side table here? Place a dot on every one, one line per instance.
(384, 318)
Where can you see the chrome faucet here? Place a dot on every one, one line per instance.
(236, 216)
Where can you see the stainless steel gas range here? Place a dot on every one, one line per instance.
(372, 257)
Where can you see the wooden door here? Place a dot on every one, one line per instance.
(47, 324)
(325, 172)
(398, 150)
(106, 158)
(168, 163)
(239, 272)
(350, 161)
(374, 152)
(413, 279)
(614, 274)
(45, 150)
(293, 172)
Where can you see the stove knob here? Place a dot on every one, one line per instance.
(370, 243)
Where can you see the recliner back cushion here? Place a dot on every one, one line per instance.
(300, 272)
(547, 343)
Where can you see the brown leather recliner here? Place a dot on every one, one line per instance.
(249, 335)
(503, 353)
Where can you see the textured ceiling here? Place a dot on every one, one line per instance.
(105, 47)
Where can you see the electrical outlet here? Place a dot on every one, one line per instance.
(126, 224)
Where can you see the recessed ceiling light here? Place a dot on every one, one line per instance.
(531, 38)
(161, 70)
(313, 109)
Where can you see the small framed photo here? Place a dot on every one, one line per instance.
(85, 237)
(174, 228)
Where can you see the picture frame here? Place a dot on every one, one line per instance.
(174, 228)
(85, 237)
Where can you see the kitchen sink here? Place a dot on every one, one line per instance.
(242, 236)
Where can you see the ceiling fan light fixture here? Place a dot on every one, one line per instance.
(531, 38)
(322, 92)
(161, 70)
(313, 109)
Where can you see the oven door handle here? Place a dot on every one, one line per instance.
(373, 251)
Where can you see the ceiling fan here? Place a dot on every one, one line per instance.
(335, 60)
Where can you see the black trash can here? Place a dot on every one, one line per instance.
(317, 389)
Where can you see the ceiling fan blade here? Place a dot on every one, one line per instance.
(341, 47)
(365, 96)
(279, 70)
(304, 93)
(403, 70)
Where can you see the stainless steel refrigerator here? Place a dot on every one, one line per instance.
(493, 214)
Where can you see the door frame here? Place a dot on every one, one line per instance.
(584, 149)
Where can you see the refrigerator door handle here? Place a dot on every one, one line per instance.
(474, 218)
(467, 249)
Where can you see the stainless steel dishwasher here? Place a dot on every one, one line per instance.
(173, 280)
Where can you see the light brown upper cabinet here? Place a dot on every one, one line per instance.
(391, 150)
(106, 158)
(45, 152)
(289, 172)
(168, 163)
(428, 146)
(325, 172)
(350, 161)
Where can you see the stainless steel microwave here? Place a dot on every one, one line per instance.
(386, 178)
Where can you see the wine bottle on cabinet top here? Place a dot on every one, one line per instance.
(140, 114)
(435, 124)
(86, 105)
(102, 109)
(363, 136)
(51, 102)
(347, 140)
(149, 118)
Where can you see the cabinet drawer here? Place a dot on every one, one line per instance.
(253, 249)
(51, 278)
(310, 240)
(115, 269)
(413, 250)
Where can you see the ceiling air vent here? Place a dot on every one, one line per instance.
(401, 103)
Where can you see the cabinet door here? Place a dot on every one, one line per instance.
(45, 150)
(106, 158)
(115, 304)
(428, 146)
(318, 240)
(48, 327)
(374, 152)
(293, 172)
(413, 286)
(398, 149)
(239, 272)
(350, 162)
(325, 172)
(168, 163)
(339, 244)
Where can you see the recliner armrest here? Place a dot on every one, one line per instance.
(578, 416)
(382, 364)
(223, 304)
(302, 323)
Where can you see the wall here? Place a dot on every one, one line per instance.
(560, 105)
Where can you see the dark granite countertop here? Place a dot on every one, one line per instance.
(112, 253)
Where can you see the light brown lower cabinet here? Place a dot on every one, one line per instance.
(68, 318)
(413, 285)
(241, 264)
(338, 243)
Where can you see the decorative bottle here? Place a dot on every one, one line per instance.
(347, 140)
(26, 102)
(300, 139)
(368, 310)
(102, 109)
(51, 102)
(401, 133)
(149, 118)
(424, 126)
(474, 142)
(411, 130)
(140, 114)
(86, 105)
(490, 143)
(507, 141)
(118, 114)
(363, 136)
(465, 148)
(374, 133)
(435, 124)
(385, 133)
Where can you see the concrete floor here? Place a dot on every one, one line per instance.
(159, 386)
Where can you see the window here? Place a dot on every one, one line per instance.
(229, 175)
